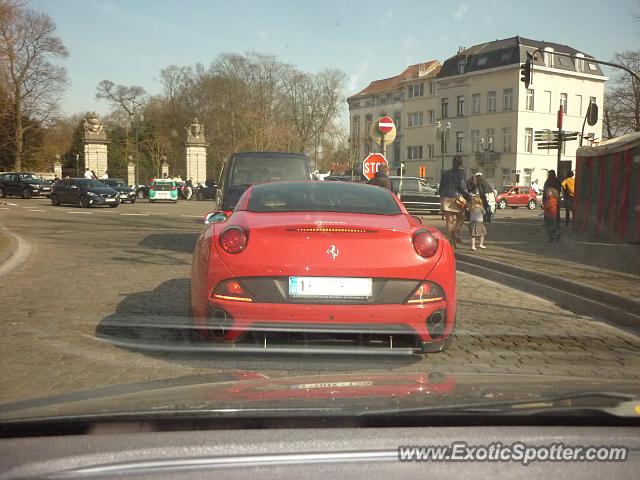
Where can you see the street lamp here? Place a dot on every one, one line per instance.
(444, 135)
(486, 148)
(137, 149)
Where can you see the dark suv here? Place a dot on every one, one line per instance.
(241, 170)
(84, 192)
(25, 185)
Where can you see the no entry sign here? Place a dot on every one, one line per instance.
(385, 125)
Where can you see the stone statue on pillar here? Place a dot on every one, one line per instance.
(95, 146)
(196, 153)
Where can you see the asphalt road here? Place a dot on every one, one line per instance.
(91, 269)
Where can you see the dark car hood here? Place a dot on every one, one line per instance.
(123, 189)
(250, 394)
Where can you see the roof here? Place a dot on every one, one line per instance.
(613, 145)
(412, 72)
(508, 51)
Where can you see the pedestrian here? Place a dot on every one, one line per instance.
(535, 187)
(477, 230)
(484, 190)
(554, 183)
(104, 176)
(189, 188)
(454, 197)
(381, 178)
(569, 191)
(93, 175)
(88, 174)
(550, 207)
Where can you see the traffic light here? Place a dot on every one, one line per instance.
(525, 71)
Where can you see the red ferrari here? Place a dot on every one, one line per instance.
(322, 262)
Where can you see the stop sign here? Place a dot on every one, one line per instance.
(371, 164)
(385, 125)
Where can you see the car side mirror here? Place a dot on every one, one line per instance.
(214, 217)
(73, 187)
(417, 219)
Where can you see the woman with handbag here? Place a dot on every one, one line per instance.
(454, 196)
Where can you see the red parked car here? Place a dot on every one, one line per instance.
(309, 262)
(514, 197)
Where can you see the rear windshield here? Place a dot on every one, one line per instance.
(162, 187)
(322, 197)
(252, 169)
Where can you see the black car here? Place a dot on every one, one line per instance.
(207, 191)
(241, 170)
(23, 184)
(127, 194)
(84, 192)
(418, 196)
(142, 191)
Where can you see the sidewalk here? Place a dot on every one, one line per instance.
(604, 272)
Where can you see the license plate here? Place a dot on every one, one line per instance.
(330, 287)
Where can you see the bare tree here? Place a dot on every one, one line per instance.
(129, 100)
(622, 101)
(34, 84)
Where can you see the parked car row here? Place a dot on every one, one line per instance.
(23, 184)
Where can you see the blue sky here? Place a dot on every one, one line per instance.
(130, 41)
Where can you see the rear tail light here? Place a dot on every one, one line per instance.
(233, 240)
(231, 290)
(426, 292)
(173, 187)
(425, 243)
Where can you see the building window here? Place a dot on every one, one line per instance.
(506, 139)
(367, 123)
(432, 88)
(579, 104)
(491, 135)
(431, 151)
(506, 176)
(445, 107)
(356, 126)
(490, 172)
(414, 119)
(414, 152)
(459, 142)
(563, 102)
(396, 153)
(432, 116)
(508, 98)
(547, 99)
(422, 171)
(416, 90)
(475, 140)
(367, 148)
(475, 103)
(491, 101)
(461, 64)
(397, 119)
(460, 110)
(528, 140)
(529, 103)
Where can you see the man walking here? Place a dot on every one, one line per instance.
(189, 188)
(88, 174)
(569, 190)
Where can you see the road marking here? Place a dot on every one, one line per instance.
(156, 213)
(33, 210)
(193, 216)
(12, 204)
(84, 213)
(134, 214)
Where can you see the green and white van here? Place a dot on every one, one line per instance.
(163, 189)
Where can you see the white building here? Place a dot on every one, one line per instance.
(407, 98)
(492, 115)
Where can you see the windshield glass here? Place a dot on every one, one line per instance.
(252, 169)
(322, 197)
(309, 281)
(86, 183)
(30, 177)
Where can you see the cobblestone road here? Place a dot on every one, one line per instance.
(91, 268)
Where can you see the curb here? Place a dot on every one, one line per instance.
(17, 252)
(578, 298)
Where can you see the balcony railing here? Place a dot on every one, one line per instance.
(486, 158)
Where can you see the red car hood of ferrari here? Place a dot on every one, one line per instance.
(327, 244)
